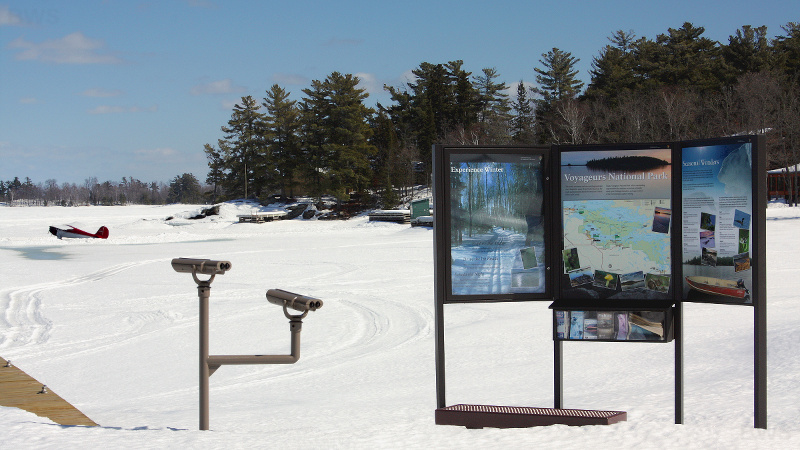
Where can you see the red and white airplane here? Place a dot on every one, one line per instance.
(73, 232)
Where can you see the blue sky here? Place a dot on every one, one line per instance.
(109, 89)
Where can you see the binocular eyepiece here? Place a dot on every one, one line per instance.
(204, 266)
(296, 302)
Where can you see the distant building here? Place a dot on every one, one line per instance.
(781, 182)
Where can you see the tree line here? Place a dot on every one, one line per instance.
(182, 189)
(680, 85)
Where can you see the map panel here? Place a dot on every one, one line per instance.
(616, 235)
(616, 216)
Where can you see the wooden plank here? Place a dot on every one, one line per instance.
(20, 390)
(261, 217)
(480, 416)
(399, 216)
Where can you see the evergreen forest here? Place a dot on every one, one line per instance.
(678, 85)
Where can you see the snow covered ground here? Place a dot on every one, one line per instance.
(110, 327)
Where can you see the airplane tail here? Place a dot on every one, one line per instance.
(102, 233)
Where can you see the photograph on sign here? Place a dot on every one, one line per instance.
(497, 232)
(616, 216)
(717, 200)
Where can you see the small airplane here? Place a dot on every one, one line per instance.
(72, 232)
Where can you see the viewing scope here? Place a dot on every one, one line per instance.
(204, 266)
(297, 302)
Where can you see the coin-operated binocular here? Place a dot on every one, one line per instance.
(204, 266)
(293, 301)
(210, 363)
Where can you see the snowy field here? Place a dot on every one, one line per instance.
(111, 328)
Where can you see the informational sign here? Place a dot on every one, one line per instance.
(496, 227)
(717, 201)
(616, 216)
(644, 228)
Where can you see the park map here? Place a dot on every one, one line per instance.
(617, 235)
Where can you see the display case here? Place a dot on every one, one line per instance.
(492, 214)
(616, 221)
(620, 322)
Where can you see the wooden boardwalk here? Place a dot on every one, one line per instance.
(20, 390)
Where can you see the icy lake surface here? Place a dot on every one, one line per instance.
(111, 328)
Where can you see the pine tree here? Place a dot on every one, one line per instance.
(441, 99)
(748, 51)
(216, 167)
(557, 82)
(282, 125)
(244, 158)
(184, 189)
(432, 106)
(787, 50)
(433, 97)
(558, 79)
(682, 57)
(522, 122)
(336, 133)
(612, 72)
(386, 164)
(493, 114)
(466, 99)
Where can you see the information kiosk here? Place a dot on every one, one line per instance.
(616, 237)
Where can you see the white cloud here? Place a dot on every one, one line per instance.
(7, 17)
(401, 82)
(225, 86)
(370, 83)
(511, 91)
(73, 48)
(111, 109)
(408, 76)
(291, 79)
(29, 100)
(100, 92)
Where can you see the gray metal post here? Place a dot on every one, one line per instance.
(209, 364)
(441, 258)
(678, 327)
(760, 287)
(440, 367)
(295, 326)
(558, 375)
(760, 360)
(203, 294)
